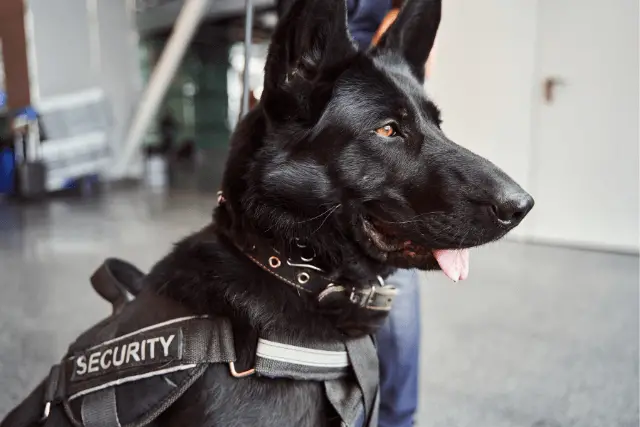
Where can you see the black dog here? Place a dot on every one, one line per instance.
(342, 158)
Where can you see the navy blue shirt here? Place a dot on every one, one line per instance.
(364, 17)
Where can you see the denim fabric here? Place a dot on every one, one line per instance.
(399, 352)
(364, 18)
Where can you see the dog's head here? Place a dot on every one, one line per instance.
(345, 151)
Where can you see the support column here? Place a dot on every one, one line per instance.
(14, 52)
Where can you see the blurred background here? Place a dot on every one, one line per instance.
(545, 331)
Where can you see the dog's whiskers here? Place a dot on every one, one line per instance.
(331, 211)
(417, 218)
(463, 237)
(327, 212)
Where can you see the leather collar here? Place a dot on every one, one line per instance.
(298, 271)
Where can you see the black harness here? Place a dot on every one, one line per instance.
(155, 344)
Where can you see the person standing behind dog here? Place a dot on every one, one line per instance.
(399, 338)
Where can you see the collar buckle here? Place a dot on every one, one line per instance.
(375, 297)
(362, 297)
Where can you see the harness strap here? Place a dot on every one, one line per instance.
(280, 360)
(190, 344)
(174, 345)
(117, 281)
(366, 369)
(347, 401)
(356, 402)
(54, 385)
(159, 349)
(100, 409)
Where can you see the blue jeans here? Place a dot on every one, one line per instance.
(399, 352)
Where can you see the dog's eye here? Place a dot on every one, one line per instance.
(388, 130)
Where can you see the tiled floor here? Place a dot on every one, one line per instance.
(538, 336)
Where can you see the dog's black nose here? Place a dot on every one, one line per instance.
(512, 208)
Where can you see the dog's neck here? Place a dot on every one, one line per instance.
(208, 273)
(340, 259)
(332, 260)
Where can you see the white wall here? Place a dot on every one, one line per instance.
(482, 78)
(586, 139)
(490, 60)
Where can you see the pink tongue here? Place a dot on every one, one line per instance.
(454, 263)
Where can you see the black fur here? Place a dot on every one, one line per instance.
(307, 163)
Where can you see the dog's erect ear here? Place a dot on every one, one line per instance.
(413, 32)
(310, 35)
(310, 38)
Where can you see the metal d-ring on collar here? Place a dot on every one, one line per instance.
(302, 257)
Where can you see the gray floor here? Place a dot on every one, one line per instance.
(537, 336)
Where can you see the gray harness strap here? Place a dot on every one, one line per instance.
(346, 399)
(367, 370)
(276, 359)
(353, 400)
(100, 409)
(189, 343)
(205, 341)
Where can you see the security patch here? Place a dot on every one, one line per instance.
(141, 349)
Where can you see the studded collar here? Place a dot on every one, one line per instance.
(298, 271)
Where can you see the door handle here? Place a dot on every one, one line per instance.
(550, 83)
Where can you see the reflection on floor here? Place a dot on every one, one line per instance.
(537, 336)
